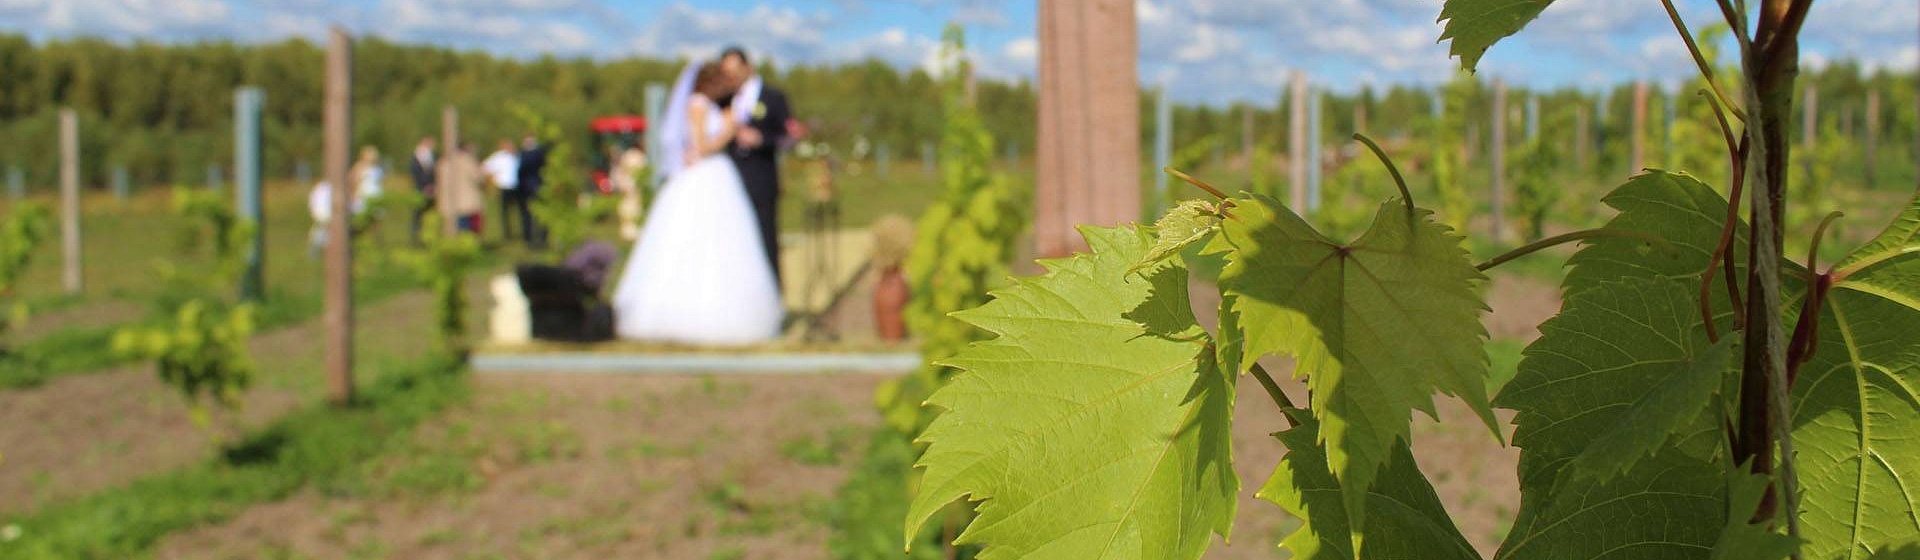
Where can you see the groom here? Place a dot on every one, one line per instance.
(756, 148)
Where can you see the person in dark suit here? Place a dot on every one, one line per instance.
(533, 161)
(422, 166)
(756, 147)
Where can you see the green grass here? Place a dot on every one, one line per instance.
(319, 445)
(86, 349)
(866, 513)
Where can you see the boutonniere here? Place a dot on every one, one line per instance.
(759, 110)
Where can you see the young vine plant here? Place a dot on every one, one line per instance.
(1690, 400)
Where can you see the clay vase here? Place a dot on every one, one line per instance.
(890, 293)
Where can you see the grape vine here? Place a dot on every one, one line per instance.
(1661, 413)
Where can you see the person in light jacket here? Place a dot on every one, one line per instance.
(460, 199)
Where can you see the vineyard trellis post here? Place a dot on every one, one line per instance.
(16, 183)
(70, 274)
(1360, 113)
(1246, 134)
(1297, 139)
(655, 101)
(1162, 142)
(1582, 137)
(449, 142)
(117, 180)
(247, 105)
(1670, 114)
(1872, 149)
(1088, 148)
(1638, 141)
(1497, 167)
(1533, 118)
(1809, 130)
(338, 126)
(1315, 165)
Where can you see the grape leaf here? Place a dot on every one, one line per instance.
(1670, 505)
(1475, 25)
(1675, 207)
(1376, 325)
(1741, 539)
(1856, 405)
(1082, 434)
(1909, 550)
(1620, 372)
(1405, 519)
(1187, 224)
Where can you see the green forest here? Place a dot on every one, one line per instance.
(164, 111)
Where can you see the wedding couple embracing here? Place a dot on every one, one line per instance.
(706, 268)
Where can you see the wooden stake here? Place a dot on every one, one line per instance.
(1582, 137)
(1498, 167)
(1297, 141)
(1638, 157)
(1873, 138)
(338, 125)
(70, 276)
(449, 142)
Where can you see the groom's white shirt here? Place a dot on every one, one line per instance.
(746, 99)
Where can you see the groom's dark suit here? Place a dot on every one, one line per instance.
(760, 166)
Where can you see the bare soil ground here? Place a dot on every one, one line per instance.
(81, 433)
(581, 466)
(712, 467)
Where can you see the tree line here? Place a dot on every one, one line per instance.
(163, 111)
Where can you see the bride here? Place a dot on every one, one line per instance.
(698, 274)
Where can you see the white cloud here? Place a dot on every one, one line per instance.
(1024, 49)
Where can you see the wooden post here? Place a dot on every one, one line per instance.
(247, 102)
(1670, 106)
(1498, 166)
(1246, 134)
(338, 125)
(120, 184)
(70, 201)
(1315, 163)
(1533, 119)
(1810, 119)
(654, 99)
(1873, 138)
(1638, 151)
(1162, 143)
(1297, 141)
(1360, 113)
(1089, 125)
(450, 142)
(1582, 137)
(16, 183)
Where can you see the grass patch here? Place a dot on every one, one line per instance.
(867, 512)
(317, 445)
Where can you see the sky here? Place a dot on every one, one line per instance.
(1203, 51)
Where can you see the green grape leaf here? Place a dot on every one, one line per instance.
(1082, 434)
(1679, 209)
(1741, 539)
(1670, 505)
(1475, 25)
(1404, 519)
(1909, 550)
(1856, 417)
(1187, 224)
(1376, 325)
(1623, 370)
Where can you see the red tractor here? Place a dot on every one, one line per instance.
(612, 135)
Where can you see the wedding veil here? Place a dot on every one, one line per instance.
(674, 133)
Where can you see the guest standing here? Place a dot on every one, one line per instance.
(503, 169)
(533, 161)
(423, 167)
(460, 199)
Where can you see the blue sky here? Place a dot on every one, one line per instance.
(1211, 51)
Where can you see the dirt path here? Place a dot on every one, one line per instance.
(579, 466)
(81, 433)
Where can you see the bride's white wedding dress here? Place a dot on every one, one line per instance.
(698, 274)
